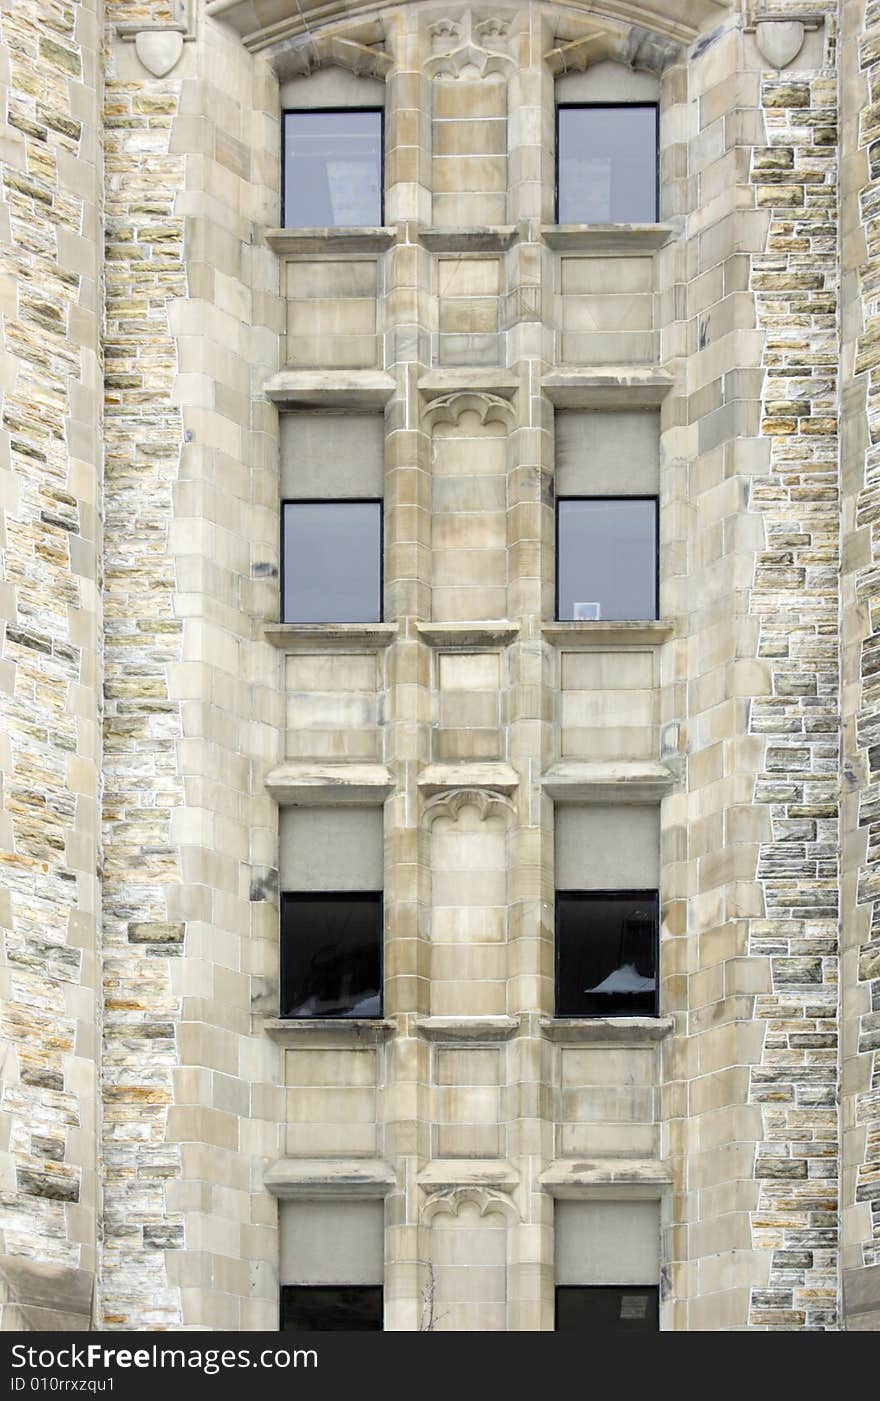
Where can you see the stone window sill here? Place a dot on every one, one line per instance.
(341, 240)
(294, 637)
(293, 1031)
(607, 238)
(467, 1028)
(622, 1031)
(616, 634)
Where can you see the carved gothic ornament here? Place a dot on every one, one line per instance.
(780, 37)
(159, 47)
(449, 1201)
(358, 47)
(489, 407)
(578, 44)
(469, 48)
(487, 801)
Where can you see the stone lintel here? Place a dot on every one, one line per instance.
(610, 1177)
(437, 383)
(445, 1174)
(336, 1031)
(298, 637)
(475, 634)
(324, 389)
(335, 240)
(340, 1177)
(631, 1031)
(608, 387)
(440, 778)
(449, 1029)
(494, 238)
(305, 785)
(624, 239)
(618, 781)
(620, 634)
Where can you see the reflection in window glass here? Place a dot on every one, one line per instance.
(606, 953)
(331, 955)
(607, 165)
(613, 1308)
(332, 561)
(606, 559)
(313, 1308)
(332, 169)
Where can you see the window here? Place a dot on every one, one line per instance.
(332, 561)
(606, 953)
(333, 168)
(331, 954)
(606, 558)
(607, 163)
(613, 1308)
(312, 1308)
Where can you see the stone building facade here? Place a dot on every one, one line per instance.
(174, 758)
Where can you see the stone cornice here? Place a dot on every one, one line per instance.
(265, 24)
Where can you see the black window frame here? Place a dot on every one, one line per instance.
(334, 1289)
(336, 501)
(376, 897)
(644, 894)
(593, 497)
(306, 111)
(606, 106)
(625, 1289)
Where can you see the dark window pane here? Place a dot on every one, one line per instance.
(613, 1308)
(331, 955)
(607, 559)
(332, 561)
(332, 169)
(606, 953)
(607, 165)
(314, 1308)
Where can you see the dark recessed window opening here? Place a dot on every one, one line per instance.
(316, 1308)
(606, 953)
(331, 558)
(606, 558)
(611, 1308)
(331, 955)
(607, 163)
(333, 168)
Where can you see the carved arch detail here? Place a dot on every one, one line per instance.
(450, 408)
(468, 47)
(488, 802)
(598, 41)
(359, 47)
(449, 1201)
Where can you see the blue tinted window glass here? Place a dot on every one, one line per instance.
(607, 165)
(607, 559)
(332, 169)
(332, 561)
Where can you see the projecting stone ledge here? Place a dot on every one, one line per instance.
(608, 387)
(332, 240)
(623, 239)
(448, 1029)
(293, 637)
(448, 1173)
(581, 1177)
(306, 1033)
(441, 778)
(618, 781)
(302, 785)
(343, 1177)
(324, 389)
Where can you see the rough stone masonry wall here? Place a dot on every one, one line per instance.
(50, 453)
(795, 598)
(143, 935)
(860, 983)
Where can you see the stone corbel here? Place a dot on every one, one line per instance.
(450, 408)
(779, 36)
(160, 46)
